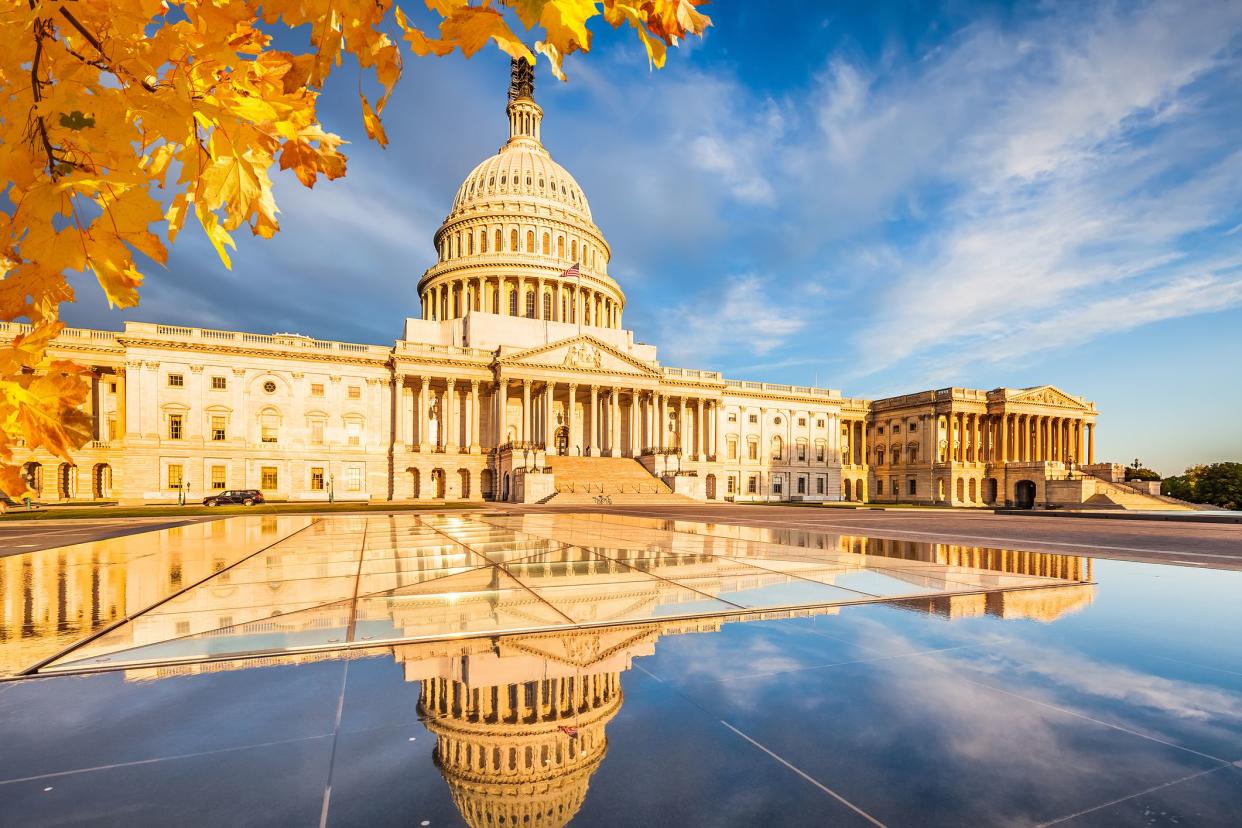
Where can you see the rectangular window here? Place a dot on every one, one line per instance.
(752, 485)
(879, 487)
(819, 485)
(316, 481)
(777, 485)
(176, 474)
(112, 387)
(801, 485)
(176, 381)
(219, 383)
(353, 433)
(880, 430)
(819, 423)
(218, 478)
(112, 428)
(732, 486)
(269, 428)
(317, 432)
(754, 418)
(353, 479)
(733, 418)
(732, 449)
(914, 486)
(752, 450)
(218, 422)
(175, 424)
(820, 452)
(268, 477)
(316, 389)
(355, 392)
(182, 628)
(801, 451)
(802, 421)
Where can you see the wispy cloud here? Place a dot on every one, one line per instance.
(743, 311)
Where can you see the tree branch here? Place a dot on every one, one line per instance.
(94, 41)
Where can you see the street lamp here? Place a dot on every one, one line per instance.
(331, 493)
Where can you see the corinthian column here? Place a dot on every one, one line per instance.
(526, 432)
(593, 443)
(424, 403)
(449, 417)
(475, 448)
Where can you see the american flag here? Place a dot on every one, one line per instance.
(573, 272)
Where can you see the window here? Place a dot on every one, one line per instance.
(732, 417)
(560, 247)
(897, 428)
(218, 425)
(778, 448)
(777, 484)
(269, 427)
(819, 485)
(819, 423)
(777, 420)
(218, 477)
(573, 250)
(530, 304)
(316, 479)
(513, 303)
(547, 244)
(111, 428)
(176, 474)
(316, 429)
(112, 387)
(547, 307)
(175, 426)
(731, 449)
(483, 242)
(821, 452)
(879, 487)
(913, 486)
(752, 485)
(801, 485)
(752, 449)
(182, 628)
(269, 387)
(355, 392)
(530, 241)
(754, 418)
(316, 389)
(802, 421)
(176, 381)
(353, 479)
(801, 451)
(353, 432)
(880, 430)
(219, 383)
(731, 486)
(268, 477)
(513, 241)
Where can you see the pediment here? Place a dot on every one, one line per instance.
(584, 354)
(586, 648)
(1046, 395)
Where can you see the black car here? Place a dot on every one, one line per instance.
(246, 497)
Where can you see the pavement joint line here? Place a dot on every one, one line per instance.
(1201, 667)
(154, 759)
(1152, 789)
(336, 736)
(807, 777)
(1093, 720)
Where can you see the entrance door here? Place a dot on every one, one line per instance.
(1024, 494)
(562, 441)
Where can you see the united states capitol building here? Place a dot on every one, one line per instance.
(518, 381)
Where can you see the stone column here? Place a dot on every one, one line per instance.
(526, 430)
(701, 446)
(571, 419)
(502, 405)
(593, 443)
(549, 418)
(424, 405)
(1090, 443)
(714, 419)
(661, 421)
(475, 448)
(635, 424)
(614, 422)
(449, 416)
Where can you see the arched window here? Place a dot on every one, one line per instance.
(499, 241)
(530, 304)
(470, 243)
(513, 299)
(513, 241)
(778, 447)
(573, 250)
(269, 426)
(456, 249)
(530, 241)
(547, 247)
(560, 247)
(483, 242)
(547, 306)
(456, 303)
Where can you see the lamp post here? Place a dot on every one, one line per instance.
(331, 493)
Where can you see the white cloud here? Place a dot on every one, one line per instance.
(745, 315)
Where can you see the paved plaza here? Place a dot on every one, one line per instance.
(657, 666)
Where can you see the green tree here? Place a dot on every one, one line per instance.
(1218, 484)
(1140, 473)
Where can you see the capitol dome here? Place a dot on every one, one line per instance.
(518, 225)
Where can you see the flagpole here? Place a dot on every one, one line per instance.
(576, 313)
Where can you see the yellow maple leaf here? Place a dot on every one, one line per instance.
(471, 27)
(375, 129)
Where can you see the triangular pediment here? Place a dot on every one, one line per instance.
(1046, 395)
(582, 354)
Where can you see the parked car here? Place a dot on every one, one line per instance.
(246, 497)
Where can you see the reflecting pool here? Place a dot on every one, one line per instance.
(495, 670)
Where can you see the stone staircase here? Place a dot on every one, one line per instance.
(1113, 495)
(606, 481)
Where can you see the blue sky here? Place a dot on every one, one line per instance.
(880, 198)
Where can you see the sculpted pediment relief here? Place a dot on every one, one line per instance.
(583, 353)
(1047, 395)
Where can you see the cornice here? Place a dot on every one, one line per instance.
(312, 356)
